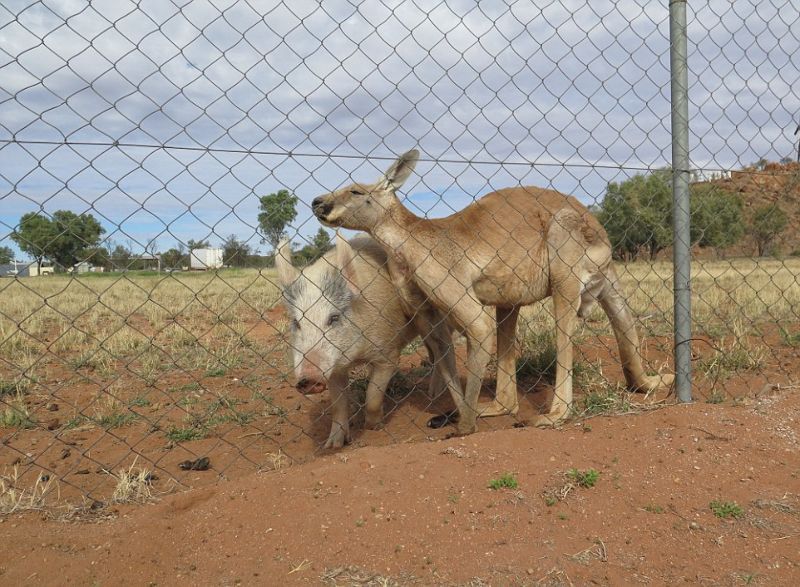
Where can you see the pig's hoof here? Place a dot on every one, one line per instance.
(443, 420)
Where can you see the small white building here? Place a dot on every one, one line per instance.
(204, 259)
(82, 267)
(25, 269)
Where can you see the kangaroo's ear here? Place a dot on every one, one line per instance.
(287, 273)
(345, 260)
(398, 173)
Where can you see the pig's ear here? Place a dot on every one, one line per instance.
(287, 273)
(345, 260)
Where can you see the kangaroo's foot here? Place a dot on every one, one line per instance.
(655, 382)
(553, 418)
(466, 425)
(374, 420)
(497, 408)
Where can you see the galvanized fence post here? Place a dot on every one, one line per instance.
(680, 198)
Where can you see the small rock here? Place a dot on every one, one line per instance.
(201, 464)
(65, 452)
(53, 424)
(82, 472)
(51, 407)
(694, 526)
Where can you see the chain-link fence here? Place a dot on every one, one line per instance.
(153, 154)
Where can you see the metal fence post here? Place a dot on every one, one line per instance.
(680, 198)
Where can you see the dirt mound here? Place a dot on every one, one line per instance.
(701, 494)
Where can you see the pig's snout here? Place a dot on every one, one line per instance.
(310, 386)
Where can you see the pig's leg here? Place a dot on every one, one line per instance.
(378, 382)
(340, 409)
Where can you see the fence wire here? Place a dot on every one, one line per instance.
(153, 155)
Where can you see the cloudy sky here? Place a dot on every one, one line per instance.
(167, 119)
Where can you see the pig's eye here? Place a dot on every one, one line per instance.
(334, 318)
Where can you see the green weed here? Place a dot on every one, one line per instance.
(587, 478)
(726, 509)
(505, 481)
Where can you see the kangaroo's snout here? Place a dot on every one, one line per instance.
(320, 207)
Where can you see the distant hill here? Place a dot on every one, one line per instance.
(765, 184)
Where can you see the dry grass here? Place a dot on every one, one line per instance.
(133, 485)
(199, 320)
(201, 324)
(95, 322)
(15, 499)
(751, 291)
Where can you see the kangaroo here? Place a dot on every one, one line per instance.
(510, 248)
(345, 311)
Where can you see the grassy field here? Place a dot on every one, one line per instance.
(193, 320)
(138, 364)
(203, 321)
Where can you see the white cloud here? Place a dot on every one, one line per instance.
(562, 85)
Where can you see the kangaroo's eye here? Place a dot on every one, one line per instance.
(334, 318)
(295, 324)
(356, 193)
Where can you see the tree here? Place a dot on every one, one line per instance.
(34, 236)
(121, 257)
(235, 253)
(201, 244)
(322, 242)
(716, 216)
(277, 211)
(767, 223)
(174, 257)
(319, 245)
(64, 238)
(6, 255)
(637, 214)
(74, 234)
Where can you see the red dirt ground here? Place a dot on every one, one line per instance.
(423, 513)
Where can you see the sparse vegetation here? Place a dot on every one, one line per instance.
(789, 338)
(733, 356)
(605, 400)
(16, 386)
(726, 509)
(587, 478)
(537, 358)
(15, 414)
(177, 434)
(505, 481)
(14, 498)
(133, 485)
(110, 412)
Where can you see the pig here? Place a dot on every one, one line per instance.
(345, 310)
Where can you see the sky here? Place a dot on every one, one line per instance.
(168, 119)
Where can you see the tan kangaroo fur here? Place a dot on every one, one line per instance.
(511, 248)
